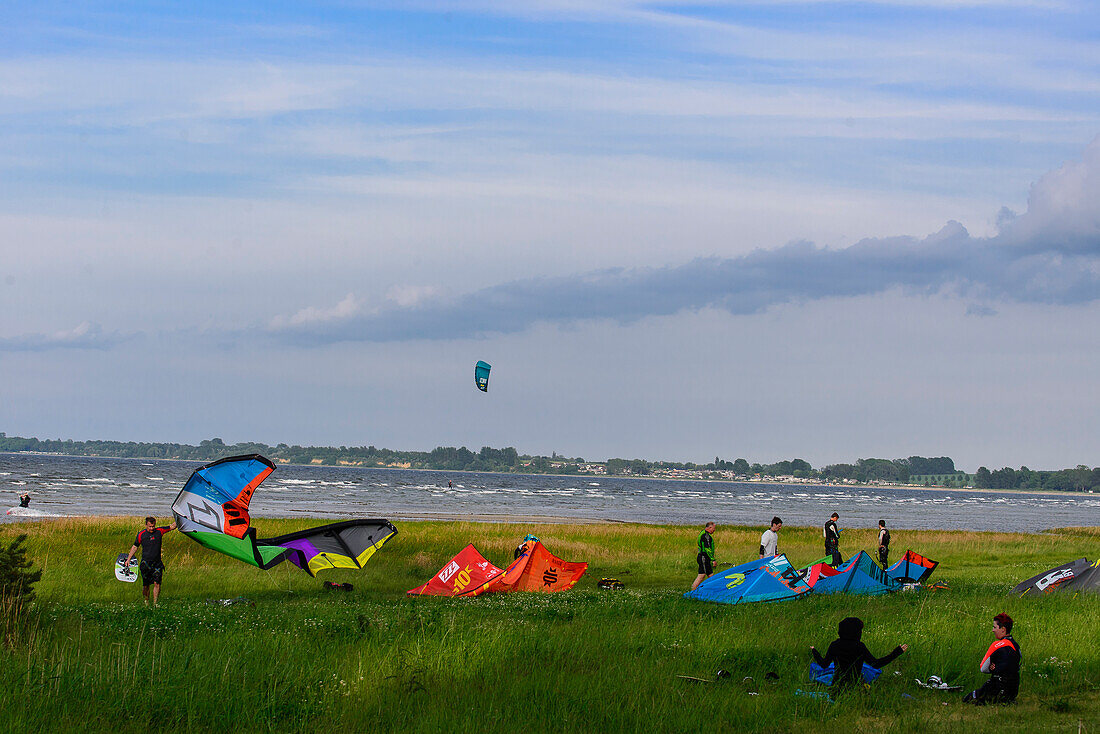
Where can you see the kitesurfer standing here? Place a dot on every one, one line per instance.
(1002, 663)
(883, 543)
(705, 556)
(769, 540)
(152, 567)
(24, 500)
(849, 653)
(832, 539)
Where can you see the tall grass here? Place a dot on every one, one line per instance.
(302, 659)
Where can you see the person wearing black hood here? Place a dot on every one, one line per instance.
(849, 653)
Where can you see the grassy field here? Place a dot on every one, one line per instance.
(90, 656)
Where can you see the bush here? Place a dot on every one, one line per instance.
(16, 578)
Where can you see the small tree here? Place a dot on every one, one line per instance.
(16, 578)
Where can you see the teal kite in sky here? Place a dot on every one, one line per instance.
(481, 375)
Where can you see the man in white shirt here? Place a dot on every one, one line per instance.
(769, 541)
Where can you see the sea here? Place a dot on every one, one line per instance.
(64, 486)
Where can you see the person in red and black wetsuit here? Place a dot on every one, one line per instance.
(152, 567)
(1002, 662)
(849, 653)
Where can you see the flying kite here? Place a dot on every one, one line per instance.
(481, 375)
(212, 510)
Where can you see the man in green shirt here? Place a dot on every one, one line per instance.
(705, 558)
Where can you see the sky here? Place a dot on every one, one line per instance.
(677, 230)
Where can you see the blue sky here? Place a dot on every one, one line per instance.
(678, 230)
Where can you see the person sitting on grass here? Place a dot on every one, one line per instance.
(848, 653)
(1002, 663)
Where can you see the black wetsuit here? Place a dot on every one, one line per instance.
(152, 568)
(884, 547)
(1002, 662)
(705, 557)
(849, 654)
(24, 500)
(832, 542)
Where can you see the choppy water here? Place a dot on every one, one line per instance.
(62, 485)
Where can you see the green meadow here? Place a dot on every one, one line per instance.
(87, 655)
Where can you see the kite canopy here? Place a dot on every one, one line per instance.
(537, 569)
(481, 375)
(1049, 580)
(1085, 580)
(912, 568)
(461, 576)
(212, 510)
(469, 574)
(765, 579)
(860, 575)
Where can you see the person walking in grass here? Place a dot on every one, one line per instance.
(1002, 663)
(705, 556)
(152, 567)
(832, 539)
(883, 544)
(769, 540)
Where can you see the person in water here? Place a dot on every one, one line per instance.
(849, 653)
(24, 500)
(883, 543)
(705, 557)
(769, 540)
(832, 539)
(1002, 663)
(152, 567)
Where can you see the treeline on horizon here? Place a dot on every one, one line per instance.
(938, 471)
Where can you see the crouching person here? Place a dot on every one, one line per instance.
(848, 653)
(1002, 663)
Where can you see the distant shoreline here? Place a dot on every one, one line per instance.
(590, 477)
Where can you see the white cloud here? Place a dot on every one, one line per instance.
(86, 335)
(315, 316)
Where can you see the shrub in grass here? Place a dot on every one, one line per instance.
(16, 579)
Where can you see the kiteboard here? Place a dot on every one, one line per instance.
(29, 512)
(122, 573)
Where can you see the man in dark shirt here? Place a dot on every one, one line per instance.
(1002, 662)
(152, 568)
(883, 544)
(24, 500)
(849, 653)
(832, 539)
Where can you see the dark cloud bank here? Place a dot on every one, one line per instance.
(1050, 254)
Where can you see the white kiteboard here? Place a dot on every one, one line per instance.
(122, 573)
